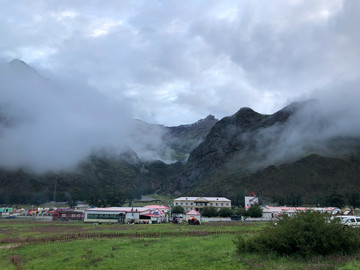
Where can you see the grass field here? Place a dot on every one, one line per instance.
(136, 251)
(19, 231)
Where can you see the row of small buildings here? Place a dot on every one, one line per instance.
(154, 213)
(146, 214)
(193, 207)
(271, 212)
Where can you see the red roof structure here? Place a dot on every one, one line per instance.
(193, 213)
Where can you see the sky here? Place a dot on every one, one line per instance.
(175, 62)
(170, 63)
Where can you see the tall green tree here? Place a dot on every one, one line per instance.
(241, 211)
(178, 209)
(210, 211)
(354, 199)
(293, 199)
(335, 199)
(225, 212)
(255, 211)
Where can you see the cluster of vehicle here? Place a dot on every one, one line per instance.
(179, 219)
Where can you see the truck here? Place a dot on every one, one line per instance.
(193, 221)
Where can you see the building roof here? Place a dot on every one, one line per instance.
(210, 199)
(157, 212)
(160, 207)
(296, 209)
(120, 209)
(193, 212)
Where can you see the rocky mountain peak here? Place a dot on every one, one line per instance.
(23, 69)
(18, 62)
(210, 117)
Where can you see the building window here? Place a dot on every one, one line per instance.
(216, 204)
(222, 204)
(176, 203)
(181, 203)
(211, 203)
(227, 204)
(186, 204)
(191, 203)
(102, 216)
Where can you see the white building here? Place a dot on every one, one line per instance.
(192, 213)
(197, 203)
(250, 200)
(117, 215)
(271, 212)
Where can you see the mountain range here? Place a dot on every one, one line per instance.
(294, 156)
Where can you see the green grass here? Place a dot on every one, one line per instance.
(197, 252)
(37, 229)
(209, 252)
(214, 252)
(157, 199)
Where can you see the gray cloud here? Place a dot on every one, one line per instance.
(174, 62)
(55, 125)
(327, 126)
(50, 125)
(157, 55)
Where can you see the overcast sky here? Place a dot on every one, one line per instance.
(174, 62)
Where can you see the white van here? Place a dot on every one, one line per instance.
(350, 221)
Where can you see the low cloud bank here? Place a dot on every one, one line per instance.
(48, 125)
(328, 124)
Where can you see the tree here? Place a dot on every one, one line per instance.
(293, 199)
(335, 199)
(255, 211)
(225, 212)
(241, 211)
(278, 200)
(178, 209)
(209, 211)
(115, 198)
(72, 203)
(237, 199)
(354, 199)
(106, 197)
(306, 234)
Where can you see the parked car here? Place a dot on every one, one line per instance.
(236, 217)
(349, 221)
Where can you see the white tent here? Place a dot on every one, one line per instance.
(192, 213)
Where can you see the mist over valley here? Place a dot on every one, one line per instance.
(91, 145)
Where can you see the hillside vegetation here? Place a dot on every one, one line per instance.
(299, 154)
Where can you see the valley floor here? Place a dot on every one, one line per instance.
(75, 245)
